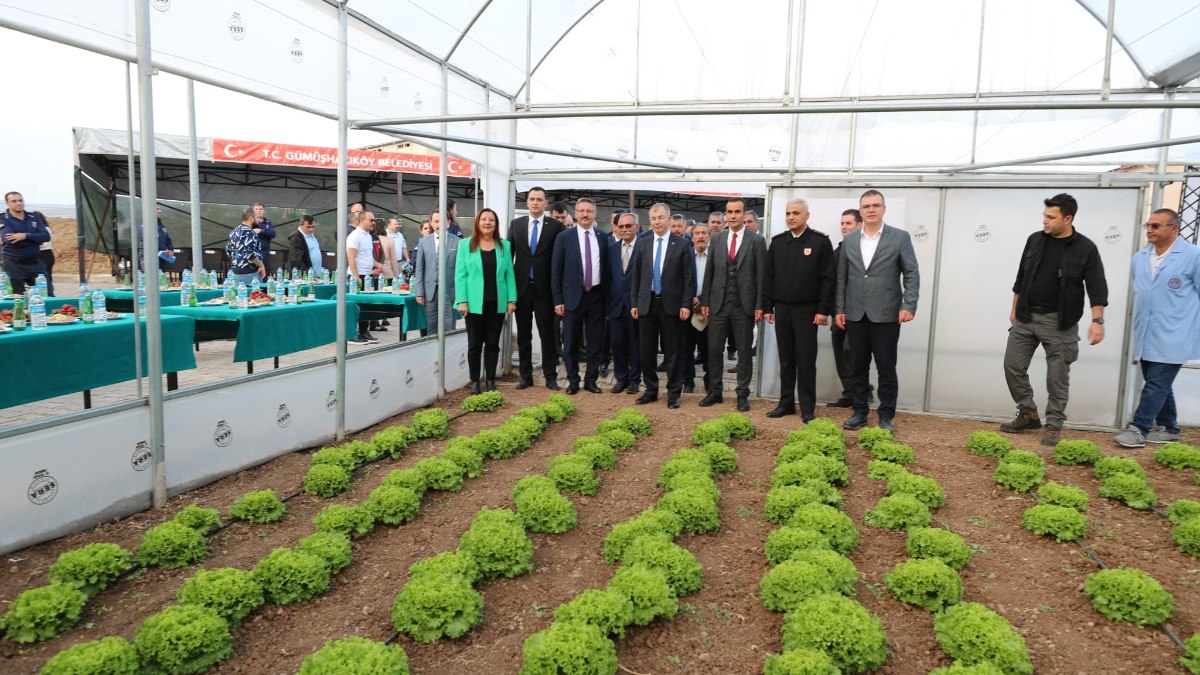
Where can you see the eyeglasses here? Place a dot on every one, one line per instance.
(1155, 226)
(622, 227)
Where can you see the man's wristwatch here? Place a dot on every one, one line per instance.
(1099, 320)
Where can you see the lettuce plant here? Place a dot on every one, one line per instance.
(545, 510)
(498, 543)
(560, 407)
(973, 634)
(739, 426)
(601, 455)
(839, 626)
(410, 478)
(1178, 512)
(535, 481)
(1062, 522)
(648, 591)
(871, 436)
(337, 456)
(721, 457)
(881, 469)
(43, 612)
(658, 552)
(795, 450)
(536, 413)
(288, 576)
(697, 509)
(229, 592)
(806, 661)
(260, 506)
(1178, 456)
(787, 585)
(783, 501)
(198, 518)
(1026, 457)
(485, 402)
(897, 453)
(431, 423)
(1191, 654)
(326, 480)
(440, 474)
(106, 656)
(957, 668)
(634, 421)
(1019, 477)
(1187, 536)
(650, 521)
(619, 439)
(573, 473)
(569, 648)
(696, 480)
(428, 608)
(356, 656)
(932, 542)
(1076, 452)
(1129, 594)
(988, 444)
(608, 610)
(927, 490)
(344, 519)
(1131, 489)
(499, 444)
(182, 639)
(171, 545)
(1110, 466)
(1063, 495)
(827, 444)
(393, 440)
(392, 505)
(832, 470)
(927, 583)
(899, 512)
(90, 568)
(825, 427)
(467, 459)
(523, 430)
(837, 526)
(711, 431)
(331, 547)
(364, 451)
(446, 565)
(784, 541)
(684, 461)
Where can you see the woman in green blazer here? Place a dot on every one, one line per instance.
(484, 290)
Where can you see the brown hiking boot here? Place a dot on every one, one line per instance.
(1051, 436)
(1026, 420)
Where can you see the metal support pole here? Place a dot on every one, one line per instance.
(1156, 195)
(153, 324)
(528, 54)
(798, 67)
(343, 206)
(443, 225)
(134, 262)
(933, 307)
(194, 180)
(1106, 83)
(978, 80)
(853, 144)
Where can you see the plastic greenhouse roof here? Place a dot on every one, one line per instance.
(653, 53)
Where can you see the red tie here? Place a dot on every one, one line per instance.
(733, 247)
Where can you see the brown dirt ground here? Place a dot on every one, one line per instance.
(1033, 581)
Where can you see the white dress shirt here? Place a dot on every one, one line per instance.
(701, 261)
(735, 245)
(868, 245)
(584, 235)
(534, 223)
(1156, 259)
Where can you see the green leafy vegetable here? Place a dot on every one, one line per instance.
(446, 564)
(331, 547)
(43, 612)
(927, 490)
(1129, 594)
(288, 576)
(1131, 489)
(171, 545)
(974, 634)
(498, 543)
(393, 440)
(326, 480)
(837, 526)
(1063, 495)
(932, 542)
(410, 478)
(431, 607)
(1110, 466)
(988, 444)
(231, 593)
(1178, 456)
(90, 568)
(783, 542)
(261, 506)
(577, 648)
(927, 583)
(344, 519)
(545, 510)
(431, 423)
(608, 610)
(1064, 523)
(697, 509)
(200, 519)
(573, 473)
(106, 656)
(871, 436)
(440, 474)
(392, 505)
(1076, 452)
(658, 552)
(841, 628)
(485, 402)
(650, 521)
(183, 639)
(899, 512)
(356, 656)
(1019, 477)
(648, 590)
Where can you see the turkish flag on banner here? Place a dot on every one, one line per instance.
(255, 152)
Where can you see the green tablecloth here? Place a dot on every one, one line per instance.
(266, 332)
(72, 358)
(375, 306)
(51, 304)
(121, 300)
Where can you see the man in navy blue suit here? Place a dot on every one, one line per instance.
(578, 276)
(664, 286)
(627, 365)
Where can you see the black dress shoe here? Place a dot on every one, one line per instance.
(781, 411)
(807, 416)
(842, 403)
(524, 384)
(552, 385)
(491, 385)
(604, 370)
(648, 397)
(573, 388)
(689, 388)
(618, 388)
(672, 403)
(592, 387)
(743, 404)
(713, 398)
(475, 387)
(632, 388)
(857, 421)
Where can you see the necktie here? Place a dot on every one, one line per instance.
(733, 247)
(587, 260)
(533, 239)
(625, 248)
(658, 267)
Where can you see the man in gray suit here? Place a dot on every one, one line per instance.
(872, 303)
(732, 299)
(426, 279)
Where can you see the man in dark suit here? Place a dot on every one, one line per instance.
(690, 338)
(663, 288)
(798, 289)
(851, 221)
(627, 369)
(532, 238)
(578, 278)
(425, 278)
(732, 299)
(872, 302)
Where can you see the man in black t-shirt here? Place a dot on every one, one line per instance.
(1056, 265)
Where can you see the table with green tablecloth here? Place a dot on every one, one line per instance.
(382, 305)
(51, 304)
(121, 300)
(269, 331)
(64, 359)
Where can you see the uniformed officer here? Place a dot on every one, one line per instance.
(22, 234)
(798, 288)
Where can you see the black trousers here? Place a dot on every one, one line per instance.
(531, 308)
(585, 322)
(627, 361)
(483, 339)
(841, 359)
(723, 323)
(691, 341)
(879, 341)
(23, 272)
(660, 323)
(797, 337)
(47, 257)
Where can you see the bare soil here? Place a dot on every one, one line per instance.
(1033, 581)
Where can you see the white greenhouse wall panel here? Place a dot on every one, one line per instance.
(1187, 396)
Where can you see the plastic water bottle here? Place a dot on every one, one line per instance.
(281, 294)
(85, 304)
(5, 284)
(352, 286)
(243, 296)
(186, 277)
(99, 308)
(294, 291)
(185, 293)
(163, 282)
(83, 294)
(295, 273)
(141, 305)
(37, 311)
(279, 275)
(42, 286)
(271, 286)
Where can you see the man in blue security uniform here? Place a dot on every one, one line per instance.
(22, 233)
(1166, 326)
(265, 232)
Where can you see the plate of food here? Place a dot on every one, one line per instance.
(214, 301)
(57, 319)
(114, 315)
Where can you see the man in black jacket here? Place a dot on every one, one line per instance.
(532, 240)
(1056, 265)
(798, 289)
(662, 292)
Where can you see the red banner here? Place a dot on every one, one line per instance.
(254, 152)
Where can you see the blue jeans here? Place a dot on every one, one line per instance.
(251, 279)
(1157, 405)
